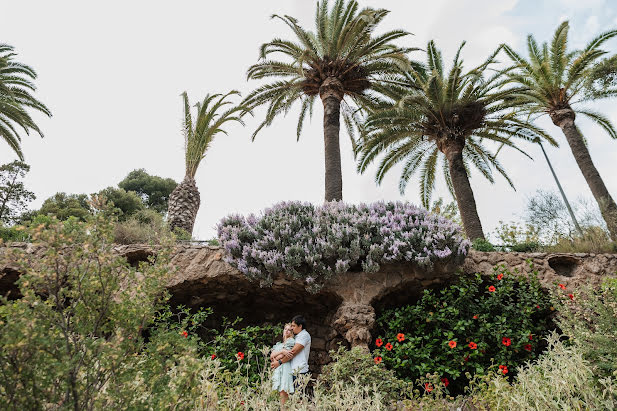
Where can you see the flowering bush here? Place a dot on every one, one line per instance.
(470, 327)
(315, 243)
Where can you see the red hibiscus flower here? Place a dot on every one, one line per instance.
(452, 344)
(491, 289)
(184, 334)
(506, 341)
(428, 387)
(563, 287)
(389, 347)
(473, 345)
(213, 356)
(500, 276)
(445, 382)
(531, 336)
(571, 296)
(527, 347)
(538, 307)
(400, 337)
(378, 360)
(475, 317)
(503, 369)
(379, 342)
(240, 356)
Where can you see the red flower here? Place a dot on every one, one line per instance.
(240, 355)
(400, 337)
(503, 369)
(184, 334)
(378, 360)
(428, 387)
(213, 356)
(506, 341)
(500, 276)
(389, 347)
(530, 336)
(563, 287)
(445, 382)
(475, 317)
(491, 289)
(452, 344)
(538, 307)
(466, 358)
(527, 347)
(473, 345)
(379, 342)
(571, 296)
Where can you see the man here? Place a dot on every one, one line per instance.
(299, 354)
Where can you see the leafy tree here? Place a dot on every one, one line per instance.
(439, 121)
(554, 80)
(123, 203)
(341, 58)
(199, 132)
(63, 206)
(15, 99)
(153, 190)
(14, 197)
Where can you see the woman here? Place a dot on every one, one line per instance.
(282, 378)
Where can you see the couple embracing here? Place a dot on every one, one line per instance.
(289, 359)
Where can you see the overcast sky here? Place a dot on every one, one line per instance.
(112, 73)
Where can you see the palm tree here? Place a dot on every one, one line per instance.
(15, 99)
(341, 58)
(440, 120)
(199, 133)
(554, 81)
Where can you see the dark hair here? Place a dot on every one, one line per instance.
(299, 320)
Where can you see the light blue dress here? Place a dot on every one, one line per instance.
(282, 378)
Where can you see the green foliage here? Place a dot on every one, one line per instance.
(9, 234)
(472, 316)
(357, 366)
(153, 190)
(15, 99)
(480, 244)
(143, 227)
(590, 319)
(62, 206)
(123, 203)
(14, 197)
(79, 320)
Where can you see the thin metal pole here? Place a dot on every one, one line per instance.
(563, 195)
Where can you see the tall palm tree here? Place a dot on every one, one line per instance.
(199, 133)
(439, 120)
(15, 98)
(554, 81)
(341, 58)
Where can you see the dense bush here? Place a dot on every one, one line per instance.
(357, 365)
(480, 244)
(473, 326)
(145, 226)
(315, 243)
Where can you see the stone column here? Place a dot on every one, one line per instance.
(354, 321)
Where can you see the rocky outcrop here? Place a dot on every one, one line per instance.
(344, 311)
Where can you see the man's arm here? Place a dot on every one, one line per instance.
(288, 355)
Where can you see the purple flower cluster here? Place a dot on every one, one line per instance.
(314, 243)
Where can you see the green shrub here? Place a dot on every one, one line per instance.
(526, 247)
(357, 365)
(144, 227)
(11, 234)
(470, 327)
(480, 244)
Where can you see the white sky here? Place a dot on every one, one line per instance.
(112, 73)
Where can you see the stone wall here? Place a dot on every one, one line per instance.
(345, 310)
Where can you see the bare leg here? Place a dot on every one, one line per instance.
(284, 397)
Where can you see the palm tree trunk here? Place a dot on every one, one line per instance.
(331, 96)
(184, 203)
(564, 119)
(462, 189)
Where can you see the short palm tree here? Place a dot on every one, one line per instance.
(342, 62)
(440, 120)
(199, 132)
(15, 98)
(554, 81)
